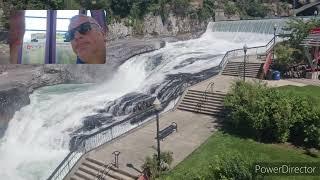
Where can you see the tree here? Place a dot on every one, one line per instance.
(230, 9)
(285, 58)
(299, 29)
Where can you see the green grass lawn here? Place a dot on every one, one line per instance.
(312, 91)
(221, 144)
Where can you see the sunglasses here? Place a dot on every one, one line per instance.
(82, 29)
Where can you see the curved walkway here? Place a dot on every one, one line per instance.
(193, 130)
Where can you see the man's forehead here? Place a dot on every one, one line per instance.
(75, 22)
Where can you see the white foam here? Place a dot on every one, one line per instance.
(38, 135)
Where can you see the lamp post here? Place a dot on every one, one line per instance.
(294, 8)
(245, 48)
(157, 106)
(274, 39)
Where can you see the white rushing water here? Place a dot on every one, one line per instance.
(38, 135)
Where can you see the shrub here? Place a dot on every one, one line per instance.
(271, 115)
(231, 166)
(151, 164)
(311, 130)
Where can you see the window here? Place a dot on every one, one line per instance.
(64, 53)
(33, 50)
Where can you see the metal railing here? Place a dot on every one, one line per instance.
(239, 52)
(95, 140)
(101, 174)
(209, 89)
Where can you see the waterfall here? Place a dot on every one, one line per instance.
(38, 136)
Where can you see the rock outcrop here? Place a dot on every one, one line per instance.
(155, 26)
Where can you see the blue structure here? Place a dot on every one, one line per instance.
(51, 30)
(276, 75)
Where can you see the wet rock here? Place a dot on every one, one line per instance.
(139, 106)
(11, 100)
(76, 143)
(97, 120)
(129, 103)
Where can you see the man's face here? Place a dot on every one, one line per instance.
(89, 44)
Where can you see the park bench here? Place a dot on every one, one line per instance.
(167, 131)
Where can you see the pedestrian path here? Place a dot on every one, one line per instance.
(193, 130)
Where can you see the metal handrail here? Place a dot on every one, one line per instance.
(225, 58)
(204, 96)
(101, 174)
(91, 142)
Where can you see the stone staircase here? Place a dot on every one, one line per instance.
(209, 103)
(236, 69)
(92, 169)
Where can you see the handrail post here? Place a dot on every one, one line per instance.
(116, 158)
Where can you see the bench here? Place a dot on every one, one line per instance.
(167, 131)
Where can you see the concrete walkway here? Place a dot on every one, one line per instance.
(193, 130)
(223, 83)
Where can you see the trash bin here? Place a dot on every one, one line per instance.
(276, 75)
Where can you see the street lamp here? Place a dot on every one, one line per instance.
(157, 106)
(294, 8)
(245, 48)
(274, 39)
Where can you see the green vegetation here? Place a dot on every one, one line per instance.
(290, 52)
(270, 115)
(257, 112)
(33, 4)
(285, 56)
(230, 9)
(150, 165)
(223, 154)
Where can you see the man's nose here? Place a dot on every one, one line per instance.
(77, 35)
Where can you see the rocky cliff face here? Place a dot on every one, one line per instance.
(155, 26)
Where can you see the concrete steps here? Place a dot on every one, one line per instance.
(236, 69)
(210, 103)
(90, 169)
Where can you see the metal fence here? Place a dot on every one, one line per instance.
(237, 53)
(95, 140)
